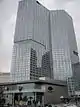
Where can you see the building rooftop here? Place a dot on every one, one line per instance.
(51, 82)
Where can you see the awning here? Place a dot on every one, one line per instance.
(23, 91)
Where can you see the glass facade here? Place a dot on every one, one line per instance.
(30, 61)
(44, 43)
(31, 53)
(61, 65)
(20, 62)
(71, 86)
(63, 44)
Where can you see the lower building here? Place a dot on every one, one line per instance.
(33, 92)
(76, 71)
(4, 77)
(71, 86)
(74, 81)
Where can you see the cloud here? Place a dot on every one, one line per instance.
(1, 1)
(8, 10)
(0, 37)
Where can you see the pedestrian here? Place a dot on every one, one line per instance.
(38, 104)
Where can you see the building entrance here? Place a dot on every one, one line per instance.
(33, 99)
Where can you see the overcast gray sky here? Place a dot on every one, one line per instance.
(8, 12)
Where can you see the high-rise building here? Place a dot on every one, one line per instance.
(64, 47)
(31, 50)
(44, 43)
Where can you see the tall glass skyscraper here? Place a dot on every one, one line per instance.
(64, 44)
(44, 43)
(31, 52)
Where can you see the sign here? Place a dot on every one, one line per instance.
(50, 89)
